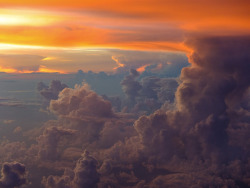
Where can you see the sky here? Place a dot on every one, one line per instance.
(121, 93)
(59, 36)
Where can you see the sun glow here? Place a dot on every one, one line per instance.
(25, 18)
(4, 46)
(58, 31)
(49, 58)
(13, 20)
(42, 69)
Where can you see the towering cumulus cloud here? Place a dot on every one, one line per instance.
(204, 132)
(219, 75)
(131, 86)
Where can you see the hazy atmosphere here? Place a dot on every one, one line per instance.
(118, 94)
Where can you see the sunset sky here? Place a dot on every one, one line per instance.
(124, 93)
(57, 33)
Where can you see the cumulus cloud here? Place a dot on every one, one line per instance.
(81, 102)
(85, 172)
(48, 142)
(144, 92)
(13, 175)
(51, 92)
(84, 175)
(147, 94)
(131, 86)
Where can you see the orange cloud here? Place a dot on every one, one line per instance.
(42, 68)
(142, 68)
(173, 10)
(146, 24)
(118, 63)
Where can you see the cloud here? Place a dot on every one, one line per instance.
(199, 128)
(203, 131)
(17, 62)
(52, 91)
(147, 94)
(8, 121)
(70, 60)
(17, 130)
(199, 138)
(80, 102)
(9, 102)
(48, 142)
(13, 175)
(130, 86)
(162, 26)
(13, 151)
(164, 64)
(162, 89)
(84, 175)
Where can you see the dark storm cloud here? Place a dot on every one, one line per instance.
(231, 61)
(13, 175)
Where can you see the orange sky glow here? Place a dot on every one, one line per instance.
(160, 25)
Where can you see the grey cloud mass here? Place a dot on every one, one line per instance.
(13, 175)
